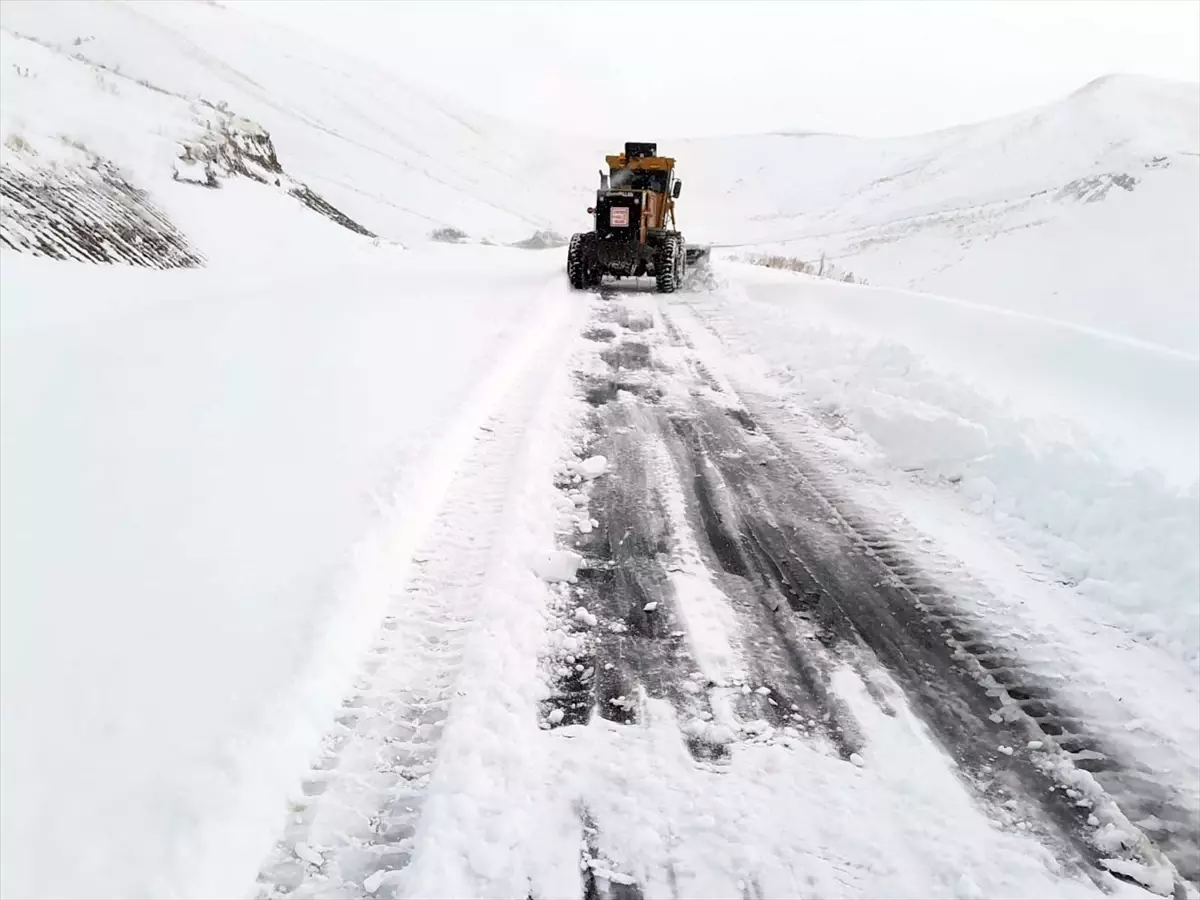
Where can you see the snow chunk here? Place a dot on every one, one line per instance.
(651, 606)
(857, 760)
(967, 889)
(1157, 879)
(592, 467)
(308, 854)
(708, 732)
(372, 882)
(557, 565)
(1110, 839)
(192, 171)
(582, 615)
(556, 716)
(609, 874)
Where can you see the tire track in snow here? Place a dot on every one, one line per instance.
(793, 662)
(990, 699)
(723, 596)
(658, 816)
(663, 626)
(355, 829)
(633, 631)
(1118, 803)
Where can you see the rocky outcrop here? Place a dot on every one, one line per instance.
(229, 145)
(88, 213)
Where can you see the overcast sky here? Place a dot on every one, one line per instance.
(653, 70)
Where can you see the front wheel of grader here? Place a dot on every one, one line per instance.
(669, 267)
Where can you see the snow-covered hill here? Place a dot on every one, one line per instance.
(1085, 210)
(131, 83)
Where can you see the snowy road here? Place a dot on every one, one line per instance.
(753, 686)
(392, 567)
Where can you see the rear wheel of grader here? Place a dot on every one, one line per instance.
(583, 268)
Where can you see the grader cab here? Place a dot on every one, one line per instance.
(634, 231)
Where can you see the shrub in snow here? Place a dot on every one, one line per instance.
(17, 143)
(448, 235)
(820, 268)
(542, 240)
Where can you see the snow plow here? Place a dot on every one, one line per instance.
(633, 224)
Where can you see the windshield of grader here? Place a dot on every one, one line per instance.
(632, 180)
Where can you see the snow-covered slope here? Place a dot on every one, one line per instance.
(1086, 210)
(129, 82)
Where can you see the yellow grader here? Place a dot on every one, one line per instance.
(633, 231)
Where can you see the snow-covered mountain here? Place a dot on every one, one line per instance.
(1085, 210)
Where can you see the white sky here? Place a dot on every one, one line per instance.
(650, 70)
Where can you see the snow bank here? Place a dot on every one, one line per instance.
(1081, 445)
(1143, 399)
